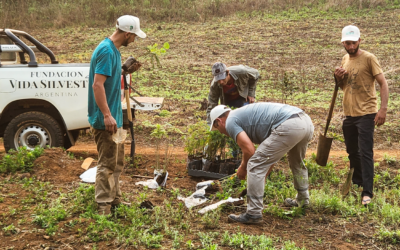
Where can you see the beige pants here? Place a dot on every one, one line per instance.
(291, 137)
(109, 167)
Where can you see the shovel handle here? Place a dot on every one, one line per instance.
(129, 113)
(328, 120)
(128, 101)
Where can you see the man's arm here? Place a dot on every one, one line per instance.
(213, 98)
(253, 78)
(248, 150)
(101, 100)
(381, 115)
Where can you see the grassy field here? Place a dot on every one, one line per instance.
(296, 51)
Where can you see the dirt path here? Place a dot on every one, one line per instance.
(88, 147)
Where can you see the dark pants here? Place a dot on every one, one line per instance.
(359, 138)
(237, 103)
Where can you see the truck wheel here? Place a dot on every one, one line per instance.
(33, 129)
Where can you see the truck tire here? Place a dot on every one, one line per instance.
(33, 129)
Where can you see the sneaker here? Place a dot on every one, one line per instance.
(117, 202)
(103, 208)
(289, 202)
(245, 218)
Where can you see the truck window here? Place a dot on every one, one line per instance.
(7, 57)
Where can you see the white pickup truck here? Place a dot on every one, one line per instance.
(44, 104)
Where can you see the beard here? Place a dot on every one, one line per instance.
(353, 51)
(125, 43)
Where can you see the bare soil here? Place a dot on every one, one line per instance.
(62, 169)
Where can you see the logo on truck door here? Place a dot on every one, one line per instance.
(43, 84)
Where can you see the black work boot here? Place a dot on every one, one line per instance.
(289, 202)
(245, 218)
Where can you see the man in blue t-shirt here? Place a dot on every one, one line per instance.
(279, 129)
(105, 111)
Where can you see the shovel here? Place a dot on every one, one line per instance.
(129, 112)
(325, 143)
(347, 185)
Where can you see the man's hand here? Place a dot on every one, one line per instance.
(250, 99)
(110, 123)
(130, 66)
(380, 117)
(241, 172)
(340, 73)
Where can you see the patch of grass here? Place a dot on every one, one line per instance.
(246, 241)
(48, 216)
(20, 160)
(10, 229)
(207, 240)
(386, 235)
(321, 174)
(164, 113)
(331, 202)
(390, 160)
(211, 219)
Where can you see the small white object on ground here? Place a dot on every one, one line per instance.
(160, 172)
(149, 183)
(215, 205)
(197, 197)
(153, 183)
(89, 175)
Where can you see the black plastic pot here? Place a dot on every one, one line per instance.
(212, 170)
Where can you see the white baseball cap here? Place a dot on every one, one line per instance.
(216, 112)
(350, 33)
(130, 24)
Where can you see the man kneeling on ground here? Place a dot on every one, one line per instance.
(279, 129)
(233, 86)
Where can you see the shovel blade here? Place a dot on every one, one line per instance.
(347, 185)
(324, 147)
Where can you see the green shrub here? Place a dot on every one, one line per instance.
(21, 160)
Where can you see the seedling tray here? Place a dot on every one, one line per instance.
(195, 168)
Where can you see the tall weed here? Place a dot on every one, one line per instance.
(20, 14)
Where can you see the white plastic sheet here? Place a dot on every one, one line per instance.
(153, 183)
(89, 175)
(149, 183)
(215, 205)
(197, 197)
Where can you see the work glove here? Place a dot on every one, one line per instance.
(130, 66)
